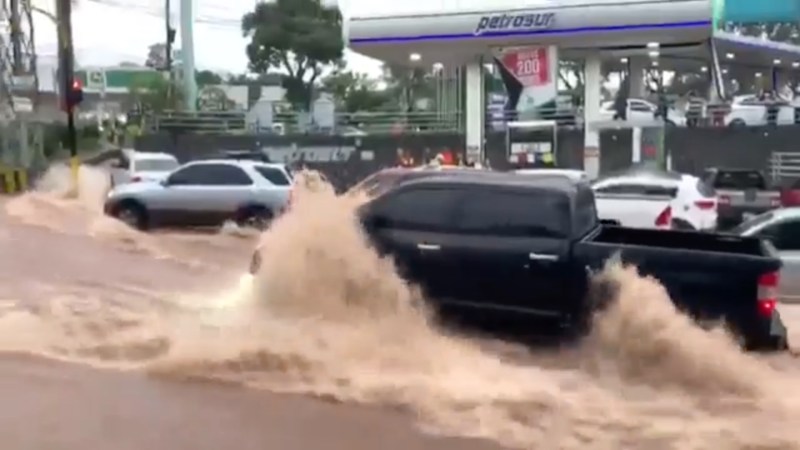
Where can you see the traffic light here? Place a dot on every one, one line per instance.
(74, 94)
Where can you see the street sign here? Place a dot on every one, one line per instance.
(96, 79)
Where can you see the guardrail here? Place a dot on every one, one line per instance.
(293, 123)
(415, 122)
(783, 166)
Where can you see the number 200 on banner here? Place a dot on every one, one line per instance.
(531, 67)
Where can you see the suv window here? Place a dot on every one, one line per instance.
(273, 175)
(211, 175)
(422, 209)
(638, 190)
(514, 214)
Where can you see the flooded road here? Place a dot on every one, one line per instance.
(115, 339)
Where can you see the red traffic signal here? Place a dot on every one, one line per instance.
(74, 95)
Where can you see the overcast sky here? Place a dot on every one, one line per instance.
(107, 32)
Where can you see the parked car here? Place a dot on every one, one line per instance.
(134, 166)
(782, 228)
(743, 193)
(642, 111)
(205, 193)
(507, 250)
(641, 197)
(749, 110)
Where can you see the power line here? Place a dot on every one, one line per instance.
(160, 13)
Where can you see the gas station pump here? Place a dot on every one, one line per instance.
(532, 143)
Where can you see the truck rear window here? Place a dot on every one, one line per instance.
(740, 179)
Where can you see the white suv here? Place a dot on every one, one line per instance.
(205, 193)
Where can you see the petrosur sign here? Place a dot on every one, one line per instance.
(515, 22)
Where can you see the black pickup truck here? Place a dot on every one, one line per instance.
(521, 249)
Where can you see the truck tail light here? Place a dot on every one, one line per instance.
(768, 293)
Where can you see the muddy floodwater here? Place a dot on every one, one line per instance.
(115, 339)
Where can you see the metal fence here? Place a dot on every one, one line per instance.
(291, 123)
(347, 159)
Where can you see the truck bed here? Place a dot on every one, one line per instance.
(710, 276)
(681, 240)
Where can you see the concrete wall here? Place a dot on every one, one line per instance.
(347, 160)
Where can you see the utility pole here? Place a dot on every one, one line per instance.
(187, 53)
(168, 47)
(66, 63)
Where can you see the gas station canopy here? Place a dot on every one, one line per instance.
(682, 29)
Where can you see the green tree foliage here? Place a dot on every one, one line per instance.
(297, 37)
(156, 96)
(356, 92)
(207, 78)
(409, 84)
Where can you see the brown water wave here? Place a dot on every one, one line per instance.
(327, 317)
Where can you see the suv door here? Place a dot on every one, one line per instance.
(512, 252)
(414, 226)
(205, 194)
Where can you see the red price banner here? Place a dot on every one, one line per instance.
(531, 67)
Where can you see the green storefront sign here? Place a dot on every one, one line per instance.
(116, 80)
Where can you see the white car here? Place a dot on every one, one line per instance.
(748, 110)
(643, 198)
(143, 166)
(642, 111)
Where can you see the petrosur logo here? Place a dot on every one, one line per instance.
(503, 22)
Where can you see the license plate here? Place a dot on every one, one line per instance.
(748, 216)
(750, 195)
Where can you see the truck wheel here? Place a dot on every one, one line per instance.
(254, 217)
(768, 344)
(132, 214)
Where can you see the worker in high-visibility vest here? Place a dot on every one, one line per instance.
(547, 159)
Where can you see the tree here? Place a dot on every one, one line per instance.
(409, 84)
(207, 78)
(298, 37)
(157, 56)
(157, 95)
(355, 92)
